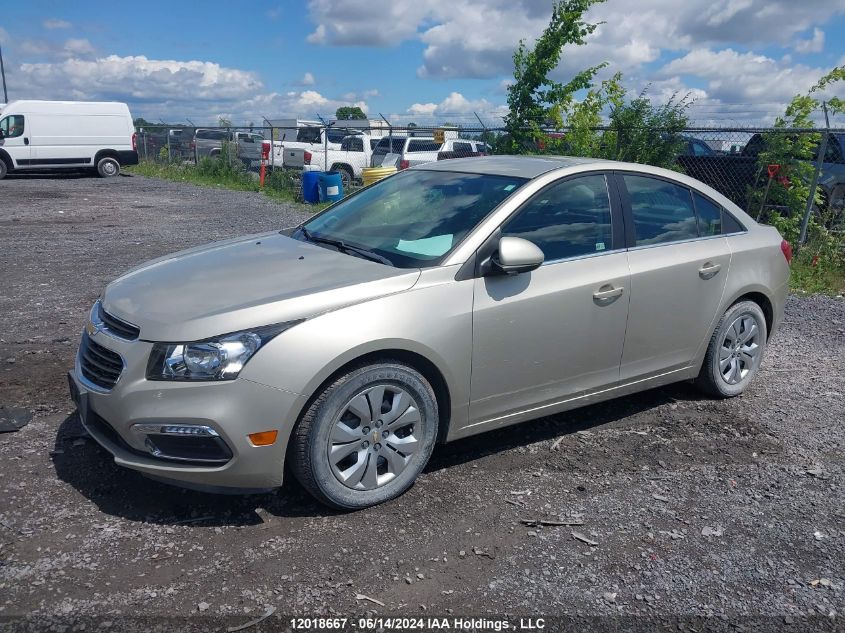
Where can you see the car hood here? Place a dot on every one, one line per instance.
(245, 283)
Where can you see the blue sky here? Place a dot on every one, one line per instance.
(410, 59)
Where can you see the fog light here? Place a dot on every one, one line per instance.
(263, 438)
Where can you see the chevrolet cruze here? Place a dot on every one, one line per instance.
(447, 300)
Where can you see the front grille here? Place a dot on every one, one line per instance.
(118, 327)
(99, 365)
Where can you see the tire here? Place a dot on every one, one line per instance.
(346, 177)
(108, 167)
(4, 169)
(376, 457)
(735, 351)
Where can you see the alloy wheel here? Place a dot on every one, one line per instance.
(374, 438)
(740, 349)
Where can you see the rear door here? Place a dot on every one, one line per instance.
(679, 264)
(550, 335)
(17, 134)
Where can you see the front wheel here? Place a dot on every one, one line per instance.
(735, 351)
(366, 437)
(4, 169)
(108, 167)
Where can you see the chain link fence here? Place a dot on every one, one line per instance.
(734, 161)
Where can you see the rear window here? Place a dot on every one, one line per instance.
(421, 145)
(384, 145)
(462, 147)
(212, 135)
(308, 135)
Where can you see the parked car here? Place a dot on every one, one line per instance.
(461, 148)
(208, 142)
(349, 160)
(444, 301)
(734, 174)
(67, 135)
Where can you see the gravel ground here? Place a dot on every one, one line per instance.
(728, 511)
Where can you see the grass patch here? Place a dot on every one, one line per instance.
(816, 277)
(279, 185)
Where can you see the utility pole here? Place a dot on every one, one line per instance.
(3, 73)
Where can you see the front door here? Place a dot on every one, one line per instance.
(542, 337)
(16, 139)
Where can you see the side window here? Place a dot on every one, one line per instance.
(308, 135)
(462, 147)
(12, 126)
(701, 149)
(709, 216)
(834, 150)
(567, 219)
(352, 144)
(421, 145)
(662, 211)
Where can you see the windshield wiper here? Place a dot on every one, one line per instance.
(342, 246)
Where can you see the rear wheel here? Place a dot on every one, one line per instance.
(346, 176)
(108, 167)
(366, 437)
(735, 351)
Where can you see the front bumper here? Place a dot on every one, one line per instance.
(233, 409)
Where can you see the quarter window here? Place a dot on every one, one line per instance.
(567, 219)
(709, 216)
(662, 211)
(12, 126)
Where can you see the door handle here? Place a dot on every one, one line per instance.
(25, 141)
(709, 270)
(607, 292)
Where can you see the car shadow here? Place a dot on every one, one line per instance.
(120, 492)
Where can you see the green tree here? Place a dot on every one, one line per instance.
(534, 98)
(349, 112)
(642, 132)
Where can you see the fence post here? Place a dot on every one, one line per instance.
(812, 196)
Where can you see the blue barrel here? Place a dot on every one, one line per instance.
(310, 186)
(331, 186)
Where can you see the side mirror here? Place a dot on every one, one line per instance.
(2, 136)
(516, 255)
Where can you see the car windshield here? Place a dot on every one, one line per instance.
(413, 219)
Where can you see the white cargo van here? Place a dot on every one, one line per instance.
(66, 135)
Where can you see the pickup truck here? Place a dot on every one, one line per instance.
(350, 158)
(734, 174)
(209, 142)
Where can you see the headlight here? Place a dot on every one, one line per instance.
(220, 358)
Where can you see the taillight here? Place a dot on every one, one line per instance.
(193, 145)
(404, 164)
(786, 249)
(307, 158)
(134, 141)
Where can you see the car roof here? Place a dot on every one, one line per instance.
(520, 166)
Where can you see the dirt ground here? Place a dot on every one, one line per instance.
(689, 511)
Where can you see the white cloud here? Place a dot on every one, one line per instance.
(307, 80)
(734, 77)
(78, 48)
(813, 45)
(55, 23)
(477, 39)
(456, 105)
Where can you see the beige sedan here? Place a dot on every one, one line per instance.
(447, 300)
